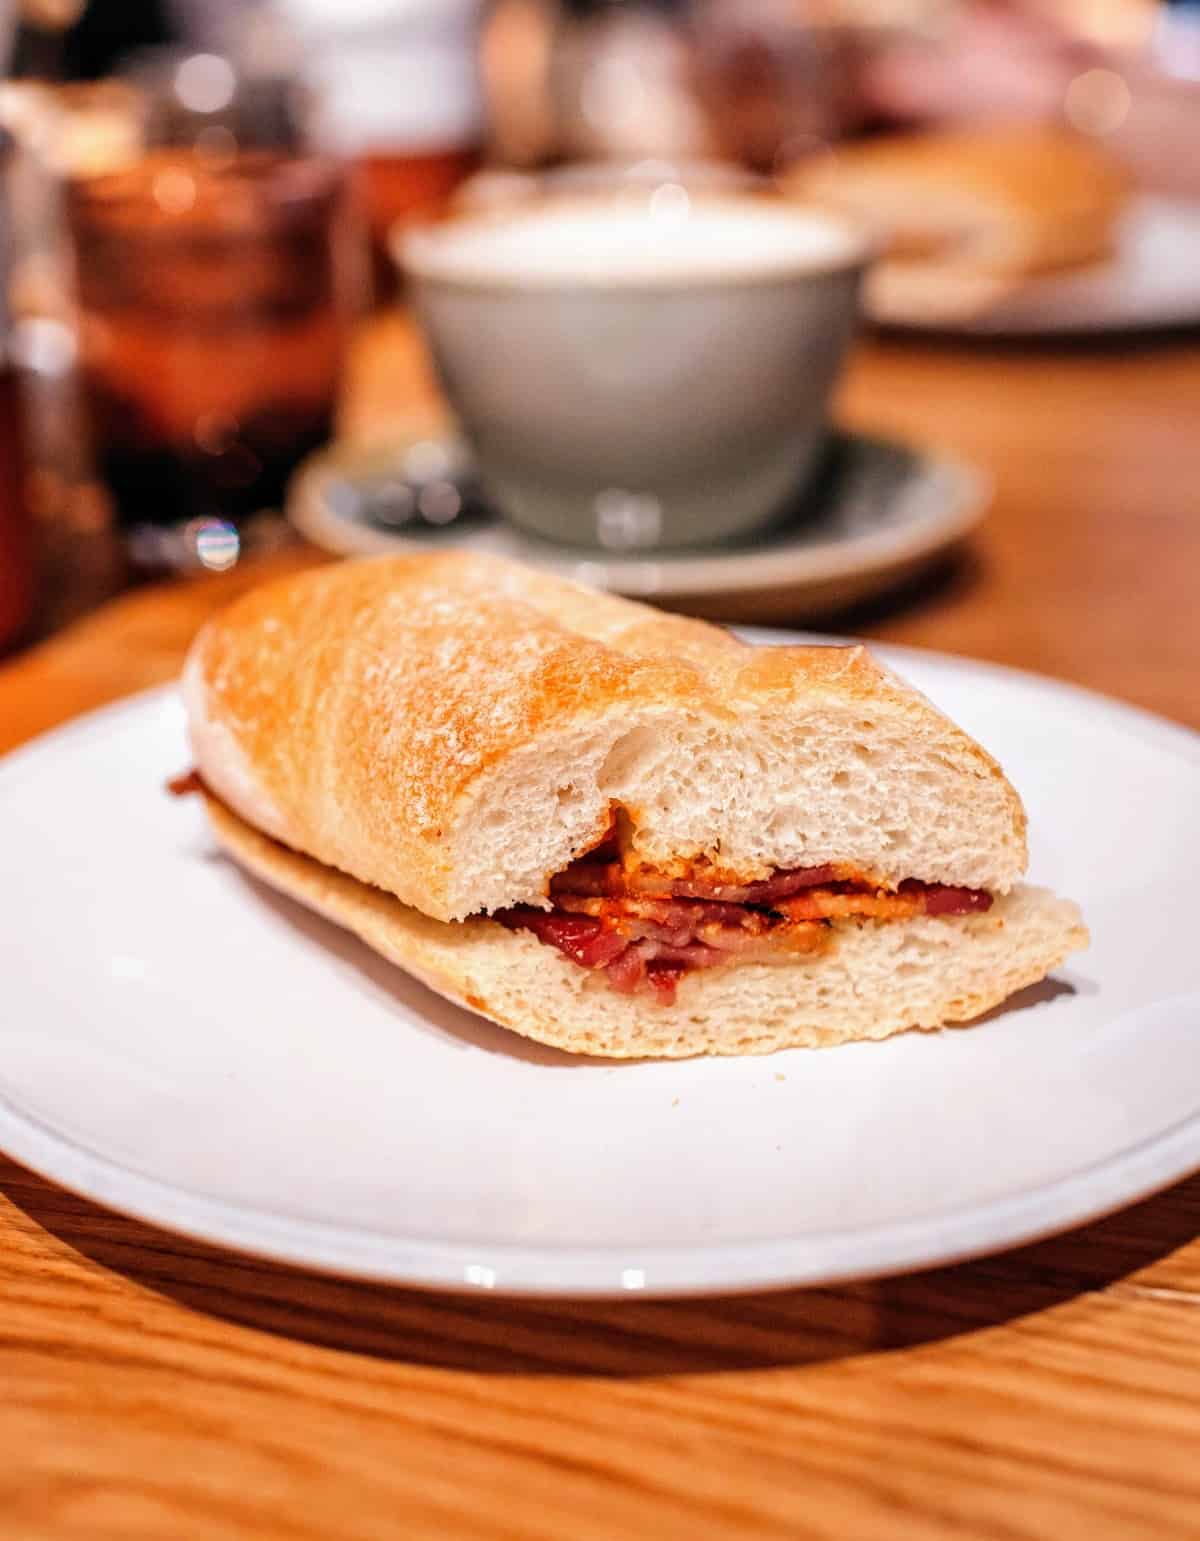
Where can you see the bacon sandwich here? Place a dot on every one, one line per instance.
(612, 830)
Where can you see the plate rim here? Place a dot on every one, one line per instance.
(509, 1269)
(671, 575)
(613, 1271)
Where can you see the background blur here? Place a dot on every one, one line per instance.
(404, 102)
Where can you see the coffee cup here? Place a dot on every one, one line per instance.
(644, 375)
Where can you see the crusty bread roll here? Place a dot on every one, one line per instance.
(1003, 203)
(410, 744)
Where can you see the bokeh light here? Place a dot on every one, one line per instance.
(1097, 102)
(216, 543)
(174, 191)
(205, 83)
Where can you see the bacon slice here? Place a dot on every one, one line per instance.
(185, 784)
(586, 941)
(730, 928)
(632, 960)
(611, 880)
(648, 941)
(647, 966)
(668, 914)
(770, 889)
(663, 978)
(782, 941)
(912, 898)
(942, 899)
(691, 955)
(627, 972)
(834, 904)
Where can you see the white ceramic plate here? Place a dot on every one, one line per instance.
(1152, 281)
(879, 512)
(178, 1043)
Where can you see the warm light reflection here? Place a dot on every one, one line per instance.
(174, 191)
(1108, 23)
(626, 520)
(670, 203)
(205, 83)
(426, 461)
(1097, 102)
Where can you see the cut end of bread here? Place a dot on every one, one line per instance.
(876, 979)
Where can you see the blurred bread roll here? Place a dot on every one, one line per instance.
(999, 204)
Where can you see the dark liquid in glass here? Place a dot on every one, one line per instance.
(211, 327)
(16, 545)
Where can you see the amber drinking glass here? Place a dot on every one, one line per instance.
(398, 188)
(212, 329)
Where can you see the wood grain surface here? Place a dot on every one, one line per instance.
(155, 1388)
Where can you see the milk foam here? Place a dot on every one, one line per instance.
(676, 240)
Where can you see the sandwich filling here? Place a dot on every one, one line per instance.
(643, 929)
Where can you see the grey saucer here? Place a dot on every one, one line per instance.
(875, 513)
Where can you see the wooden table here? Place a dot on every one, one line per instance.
(155, 1388)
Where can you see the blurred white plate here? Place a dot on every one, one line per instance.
(1152, 281)
(878, 512)
(178, 1043)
